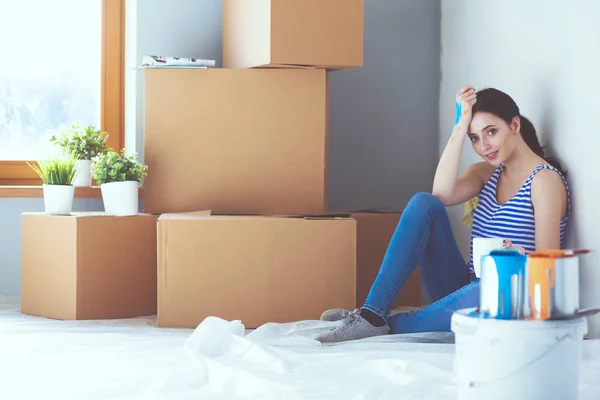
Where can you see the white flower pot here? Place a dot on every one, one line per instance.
(58, 199)
(120, 198)
(83, 177)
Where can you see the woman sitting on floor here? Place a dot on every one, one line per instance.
(521, 197)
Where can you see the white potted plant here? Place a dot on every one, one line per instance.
(119, 177)
(84, 144)
(57, 184)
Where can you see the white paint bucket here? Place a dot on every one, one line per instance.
(483, 247)
(120, 198)
(517, 359)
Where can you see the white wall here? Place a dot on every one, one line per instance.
(546, 54)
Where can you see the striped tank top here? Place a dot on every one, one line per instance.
(514, 219)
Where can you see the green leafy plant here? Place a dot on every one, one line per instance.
(57, 171)
(118, 167)
(83, 143)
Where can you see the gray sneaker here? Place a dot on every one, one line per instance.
(335, 314)
(354, 327)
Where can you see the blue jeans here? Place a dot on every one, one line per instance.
(424, 238)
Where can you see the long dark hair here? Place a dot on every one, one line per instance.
(503, 106)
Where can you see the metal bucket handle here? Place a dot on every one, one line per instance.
(518, 370)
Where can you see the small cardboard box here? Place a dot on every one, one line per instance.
(293, 33)
(88, 266)
(374, 232)
(237, 141)
(256, 269)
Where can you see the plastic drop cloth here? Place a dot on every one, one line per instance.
(133, 359)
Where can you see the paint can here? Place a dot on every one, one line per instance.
(553, 283)
(502, 285)
(499, 359)
(481, 248)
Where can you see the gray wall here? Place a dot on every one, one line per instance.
(551, 73)
(384, 116)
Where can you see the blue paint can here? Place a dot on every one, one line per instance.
(502, 287)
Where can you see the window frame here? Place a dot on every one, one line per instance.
(112, 120)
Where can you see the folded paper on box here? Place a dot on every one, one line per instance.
(175, 62)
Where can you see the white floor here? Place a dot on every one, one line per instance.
(133, 359)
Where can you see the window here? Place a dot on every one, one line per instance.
(61, 61)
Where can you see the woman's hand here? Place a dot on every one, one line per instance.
(509, 246)
(465, 99)
(447, 186)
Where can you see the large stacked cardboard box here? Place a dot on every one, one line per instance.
(238, 168)
(256, 269)
(236, 141)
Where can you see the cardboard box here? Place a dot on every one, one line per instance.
(88, 266)
(291, 33)
(252, 268)
(237, 141)
(374, 232)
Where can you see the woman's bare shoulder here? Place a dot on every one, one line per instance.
(482, 170)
